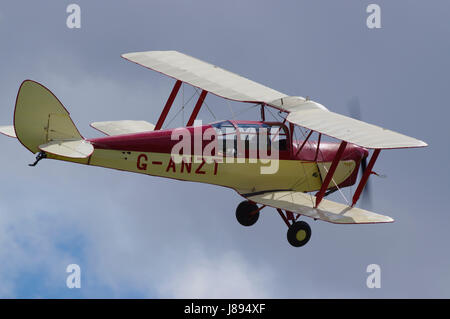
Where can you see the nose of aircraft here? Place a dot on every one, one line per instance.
(352, 152)
(356, 153)
(328, 151)
(359, 153)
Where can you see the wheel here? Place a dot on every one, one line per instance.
(299, 234)
(245, 213)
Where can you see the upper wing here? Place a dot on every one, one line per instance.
(333, 212)
(112, 128)
(205, 76)
(301, 111)
(350, 130)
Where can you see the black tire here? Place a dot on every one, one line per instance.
(244, 213)
(299, 234)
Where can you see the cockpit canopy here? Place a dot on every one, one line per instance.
(236, 137)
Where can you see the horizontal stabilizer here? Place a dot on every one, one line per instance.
(112, 128)
(69, 148)
(333, 212)
(8, 131)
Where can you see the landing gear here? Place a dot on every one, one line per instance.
(299, 234)
(247, 213)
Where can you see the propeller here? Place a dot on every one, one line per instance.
(355, 112)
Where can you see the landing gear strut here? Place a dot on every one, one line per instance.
(298, 234)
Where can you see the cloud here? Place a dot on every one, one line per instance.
(32, 246)
(225, 276)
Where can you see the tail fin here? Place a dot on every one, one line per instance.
(42, 123)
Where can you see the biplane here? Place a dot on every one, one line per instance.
(306, 171)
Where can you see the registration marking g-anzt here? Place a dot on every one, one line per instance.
(184, 167)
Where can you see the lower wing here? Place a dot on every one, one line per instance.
(333, 212)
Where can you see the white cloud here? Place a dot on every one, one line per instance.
(226, 276)
(30, 244)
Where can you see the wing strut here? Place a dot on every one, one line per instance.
(365, 177)
(304, 142)
(197, 108)
(285, 219)
(318, 147)
(330, 173)
(169, 103)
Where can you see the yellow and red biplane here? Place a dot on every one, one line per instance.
(235, 159)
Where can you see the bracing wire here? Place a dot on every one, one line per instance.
(182, 105)
(231, 110)
(207, 106)
(332, 179)
(179, 111)
(247, 109)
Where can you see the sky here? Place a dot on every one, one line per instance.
(136, 236)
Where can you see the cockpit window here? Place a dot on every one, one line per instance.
(278, 137)
(226, 138)
(222, 125)
(253, 135)
(249, 138)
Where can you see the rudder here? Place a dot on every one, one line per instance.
(40, 118)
